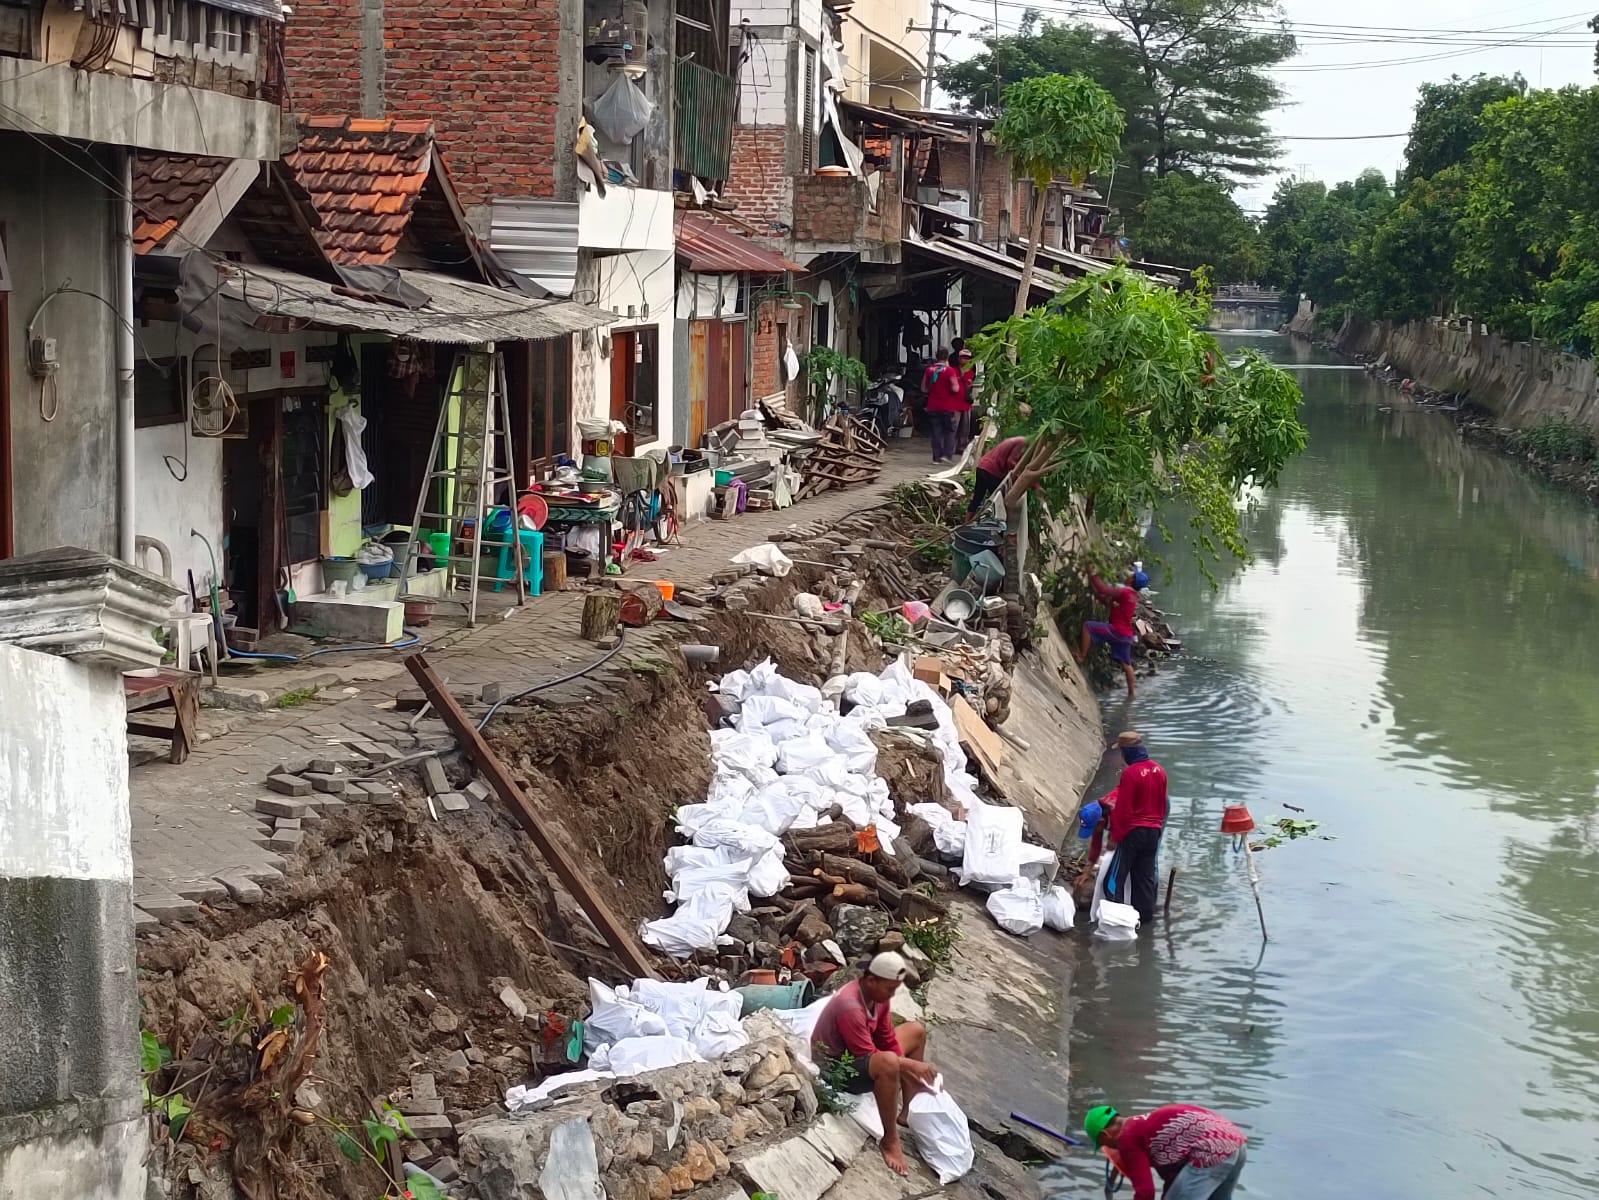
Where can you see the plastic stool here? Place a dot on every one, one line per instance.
(194, 634)
(533, 571)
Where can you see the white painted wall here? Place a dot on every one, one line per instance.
(763, 82)
(645, 281)
(63, 770)
(625, 219)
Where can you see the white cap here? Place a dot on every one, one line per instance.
(888, 965)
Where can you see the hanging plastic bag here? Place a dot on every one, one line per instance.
(1018, 909)
(943, 1137)
(1059, 911)
(355, 465)
(622, 111)
(1117, 922)
(791, 363)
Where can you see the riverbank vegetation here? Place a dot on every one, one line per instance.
(1495, 214)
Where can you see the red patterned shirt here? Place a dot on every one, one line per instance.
(1170, 1138)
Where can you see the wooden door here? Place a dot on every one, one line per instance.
(699, 366)
(716, 370)
(622, 349)
(738, 391)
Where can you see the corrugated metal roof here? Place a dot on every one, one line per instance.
(971, 257)
(708, 246)
(537, 239)
(1082, 264)
(457, 312)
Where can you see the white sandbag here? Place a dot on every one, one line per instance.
(865, 1115)
(682, 858)
(1019, 908)
(943, 1138)
(521, 1096)
(634, 1056)
(748, 841)
(1059, 909)
(719, 1033)
(1117, 922)
(680, 1005)
(730, 880)
(832, 773)
(993, 845)
(695, 926)
(769, 874)
(690, 817)
(748, 754)
(801, 754)
(765, 558)
(801, 1022)
(773, 808)
(735, 685)
(616, 1015)
(949, 835)
(1037, 862)
(761, 710)
(1100, 874)
(850, 740)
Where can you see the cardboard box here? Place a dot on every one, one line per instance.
(931, 672)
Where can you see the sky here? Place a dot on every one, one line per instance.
(1356, 72)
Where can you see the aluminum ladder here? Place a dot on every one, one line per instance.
(466, 458)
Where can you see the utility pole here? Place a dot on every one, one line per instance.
(931, 29)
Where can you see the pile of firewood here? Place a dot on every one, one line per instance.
(850, 452)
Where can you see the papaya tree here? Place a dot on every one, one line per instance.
(1053, 126)
(1129, 404)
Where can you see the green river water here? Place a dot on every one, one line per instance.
(1413, 658)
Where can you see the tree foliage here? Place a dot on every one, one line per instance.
(1448, 121)
(1312, 235)
(1191, 223)
(1052, 126)
(1191, 75)
(1130, 404)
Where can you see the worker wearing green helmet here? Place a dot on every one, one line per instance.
(1198, 1154)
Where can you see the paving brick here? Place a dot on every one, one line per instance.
(433, 777)
(327, 806)
(453, 802)
(287, 823)
(478, 790)
(143, 920)
(429, 1126)
(320, 766)
(241, 887)
(333, 785)
(286, 839)
(424, 1086)
(289, 785)
(271, 806)
(170, 909)
(292, 766)
(201, 891)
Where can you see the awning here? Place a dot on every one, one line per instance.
(455, 313)
(980, 260)
(1073, 263)
(949, 214)
(716, 249)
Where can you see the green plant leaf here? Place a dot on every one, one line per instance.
(422, 1187)
(152, 1054)
(348, 1146)
(394, 1116)
(283, 1016)
(378, 1133)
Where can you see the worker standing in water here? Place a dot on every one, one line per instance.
(1197, 1153)
(1119, 633)
(1137, 821)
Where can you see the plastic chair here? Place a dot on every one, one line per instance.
(194, 635)
(533, 570)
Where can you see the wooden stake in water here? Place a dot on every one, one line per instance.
(1254, 882)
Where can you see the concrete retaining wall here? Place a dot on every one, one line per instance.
(70, 1119)
(1520, 383)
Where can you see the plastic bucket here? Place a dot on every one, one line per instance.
(974, 539)
(723, 478)
(667, 590)
(775, 995)
(335, 569)
(440, 545)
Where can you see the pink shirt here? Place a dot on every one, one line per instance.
(849, 1025)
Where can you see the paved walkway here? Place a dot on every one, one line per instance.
(197, 836)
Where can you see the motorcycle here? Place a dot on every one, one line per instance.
(882, 405)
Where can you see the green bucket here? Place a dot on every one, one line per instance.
(440, 545)
(775, 995)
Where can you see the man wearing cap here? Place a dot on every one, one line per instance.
(1197, 1153)
(1119, 633)
(887, 1062)
(1137, 820)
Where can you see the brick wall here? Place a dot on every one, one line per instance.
(766, 350)
(995, 192)
(760, 179)
(487, 74)
(828, 208)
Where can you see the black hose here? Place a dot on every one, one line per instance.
(549, 683)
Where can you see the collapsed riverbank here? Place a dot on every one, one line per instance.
(430, 965)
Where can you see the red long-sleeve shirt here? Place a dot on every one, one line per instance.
(1122, 602)
(946, 389)
(1003, 456)
(1140, 799)
(1170, 1138)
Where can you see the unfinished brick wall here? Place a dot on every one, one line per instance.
(995, 190)
(828, 208)
(760, 180)
(486, 74)
(774, 327)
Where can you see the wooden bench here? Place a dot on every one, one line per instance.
(167, 688)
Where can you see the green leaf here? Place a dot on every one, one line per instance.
(378, 1133)
(152, 1054)
(394, 1115)
(283, 1016)
(348, 1146)
(422, 1187)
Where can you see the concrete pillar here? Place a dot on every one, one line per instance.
(70, 1116)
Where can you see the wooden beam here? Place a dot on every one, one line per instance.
(616, 934)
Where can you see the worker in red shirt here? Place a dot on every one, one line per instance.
(1136, 823)
(963, 359)
(992, 468)
(1119, 633)
(1198, 1154)
(885, 1061)
(947, 398)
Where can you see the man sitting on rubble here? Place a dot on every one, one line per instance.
(856, 1029)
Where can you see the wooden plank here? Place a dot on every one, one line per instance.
(981, 742)
(616, 934)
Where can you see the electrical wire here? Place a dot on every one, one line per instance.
(621, 631)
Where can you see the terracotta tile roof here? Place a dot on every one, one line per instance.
(363, 178)
(708, 246)
(166, 187)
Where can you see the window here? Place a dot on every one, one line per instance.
(305, 428)
(644, 399)
(158, 390)
(808, 115)
(821, 324)
(549, 432)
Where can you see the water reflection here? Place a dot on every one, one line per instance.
(1410, 658)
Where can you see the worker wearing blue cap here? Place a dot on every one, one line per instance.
(1119, 633)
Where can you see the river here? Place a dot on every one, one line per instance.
(1413, 659)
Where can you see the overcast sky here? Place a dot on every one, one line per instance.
(1346, 79)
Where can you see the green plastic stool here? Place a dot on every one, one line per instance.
(533, 542)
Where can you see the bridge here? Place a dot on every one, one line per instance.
(1247, 306)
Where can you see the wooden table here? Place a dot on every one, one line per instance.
(167, 688)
